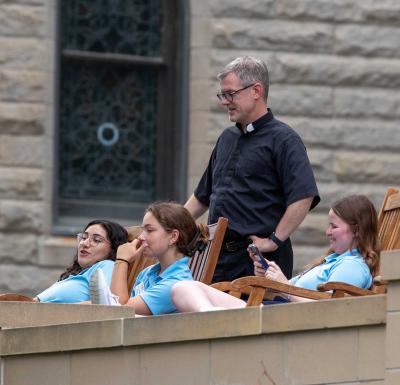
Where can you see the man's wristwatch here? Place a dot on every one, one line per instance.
(276, 240)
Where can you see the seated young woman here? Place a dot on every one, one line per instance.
(171, 235)
(353, 258)
(97, 248)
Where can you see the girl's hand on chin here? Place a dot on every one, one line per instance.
(130, 250)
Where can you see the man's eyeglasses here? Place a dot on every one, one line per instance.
(94, 240)
(230, 94)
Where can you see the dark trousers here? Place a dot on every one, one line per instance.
(236, 264)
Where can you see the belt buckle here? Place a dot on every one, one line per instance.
(230, 246)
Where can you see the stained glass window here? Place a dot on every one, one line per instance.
(111, 119)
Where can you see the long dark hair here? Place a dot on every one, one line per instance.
(116, 235)
(171, 215)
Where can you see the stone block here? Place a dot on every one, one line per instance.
(202, 95)
(321, 162)
(22, 86)
(334, 10)
(25, 314)
(179, 361)
(342, 350)
(362, 103)
(393, 296)
(330, 193)
(371, 356)
(99, 367)
(58, 338)
(390, 265)
(22, 20)
(191, 326)
(21, 183)
(36, 370)
(301, 100)
(200, 32)
(303, 255)
(17, 248)
(352, 133)
(200, 9)
(387, 11)
(22, 118)
(312, 231)
(26, 279)
(21, 216)
(274, 35)
(256, 9)
(217, 122)
(21, 151)
(392, 377)
(26, 54)
(366, 11)
(393, 340)
(334, 70)
(56, 251)
(201, 128)
(325, 314)
(320, 69)
(199, 156)
(367, 40)
(254, 360)
(200, 64)
(361, 167)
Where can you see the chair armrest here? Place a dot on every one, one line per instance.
(226, 287)
(15, 297)
(268, 284)
(340, 289)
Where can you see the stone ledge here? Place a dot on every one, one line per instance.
(28, 314)
(343, 312)
(127, 331)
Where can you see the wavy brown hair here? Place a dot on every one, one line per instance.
(173, 216)
(116, 235)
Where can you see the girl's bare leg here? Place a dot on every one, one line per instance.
(190, 296)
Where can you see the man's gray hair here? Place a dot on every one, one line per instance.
(249, 70)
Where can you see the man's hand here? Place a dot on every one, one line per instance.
(265, 245)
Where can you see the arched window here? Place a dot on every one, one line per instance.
(121, 132)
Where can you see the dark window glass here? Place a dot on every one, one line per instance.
(118, 146)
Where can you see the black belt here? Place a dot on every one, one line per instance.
(235, 245)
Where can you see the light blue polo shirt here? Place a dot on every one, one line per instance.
(75, 288)
(348, 267)
(155, 288)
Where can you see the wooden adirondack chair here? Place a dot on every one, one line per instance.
(202, 264)
(389, 236)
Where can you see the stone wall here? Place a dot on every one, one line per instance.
(334, 67)
(26, 58)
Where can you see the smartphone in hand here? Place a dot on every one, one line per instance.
(254, 249)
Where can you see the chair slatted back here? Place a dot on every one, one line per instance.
(201, 264)
(389, 221)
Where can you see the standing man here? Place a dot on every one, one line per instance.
(258, 175)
